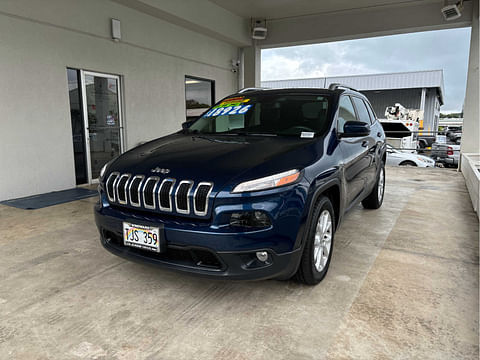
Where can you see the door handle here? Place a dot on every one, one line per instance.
(364, 143)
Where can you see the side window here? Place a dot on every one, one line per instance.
(373, 118)
(362, 110)
(346, 112)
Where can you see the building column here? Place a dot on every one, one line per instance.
(422, 99)
(423, 123)
(251, 66)
(471, 119)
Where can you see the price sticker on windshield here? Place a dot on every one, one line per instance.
(228, 110)
(231, 106)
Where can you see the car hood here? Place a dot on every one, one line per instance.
(219, 158)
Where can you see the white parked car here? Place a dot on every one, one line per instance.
(399, 158)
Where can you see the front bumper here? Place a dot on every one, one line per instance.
(197, 249)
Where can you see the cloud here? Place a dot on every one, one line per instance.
(277, 66)
(444, 49)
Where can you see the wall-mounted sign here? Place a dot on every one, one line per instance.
(110, 120)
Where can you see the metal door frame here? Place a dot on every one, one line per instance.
(83, 73)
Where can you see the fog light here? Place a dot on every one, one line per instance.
(261, 217)
(262, 256)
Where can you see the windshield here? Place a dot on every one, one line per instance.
(294, 115)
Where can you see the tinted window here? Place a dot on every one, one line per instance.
(370, 112)
(346, 112)
(266, 114)
(362, 110)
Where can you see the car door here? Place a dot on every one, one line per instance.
(370, 142)
(354, 151)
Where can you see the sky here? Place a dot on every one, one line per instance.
(432, 50)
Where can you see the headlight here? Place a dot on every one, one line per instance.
(423, 160)
(269, 182)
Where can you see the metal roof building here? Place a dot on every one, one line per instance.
(416, 90)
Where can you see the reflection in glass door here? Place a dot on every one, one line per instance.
(103, 121)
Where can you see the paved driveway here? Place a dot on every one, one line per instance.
(403, 284)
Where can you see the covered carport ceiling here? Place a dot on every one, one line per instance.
(279, 9)
(295, 22)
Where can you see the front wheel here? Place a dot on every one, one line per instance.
(317, 252)
(375, 199)
(407, 163)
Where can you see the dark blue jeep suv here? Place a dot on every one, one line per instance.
(253, 189)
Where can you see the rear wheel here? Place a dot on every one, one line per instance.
(375, 199)
(317, 252)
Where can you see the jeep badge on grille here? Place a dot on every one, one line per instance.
(159, 170)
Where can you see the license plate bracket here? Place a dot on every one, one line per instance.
(145, 237)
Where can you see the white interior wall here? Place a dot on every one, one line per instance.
(39, 40)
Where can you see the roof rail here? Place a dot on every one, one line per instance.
(244, 90)
(335, 86)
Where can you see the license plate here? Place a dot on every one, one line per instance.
(141, 237)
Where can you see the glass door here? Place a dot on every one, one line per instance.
(103, 120)
(78, 126)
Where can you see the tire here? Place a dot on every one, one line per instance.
(407, 163)
(318, 240)
(375, 199)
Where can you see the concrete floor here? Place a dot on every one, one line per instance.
(403, 284)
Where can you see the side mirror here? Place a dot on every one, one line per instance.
(186, 124)
(355, 129)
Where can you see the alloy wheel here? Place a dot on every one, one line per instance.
(381, 185)
(323, 240)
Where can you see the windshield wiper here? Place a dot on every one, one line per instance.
(188, 131)
(217, 140)
(245, 133)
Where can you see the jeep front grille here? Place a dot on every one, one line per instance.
(182, 196)
(163, 195)
(134, 190)
(149, 192)
(110, 186)
(200, 198)
(122, 188)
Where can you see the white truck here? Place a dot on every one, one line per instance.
(401, 126)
